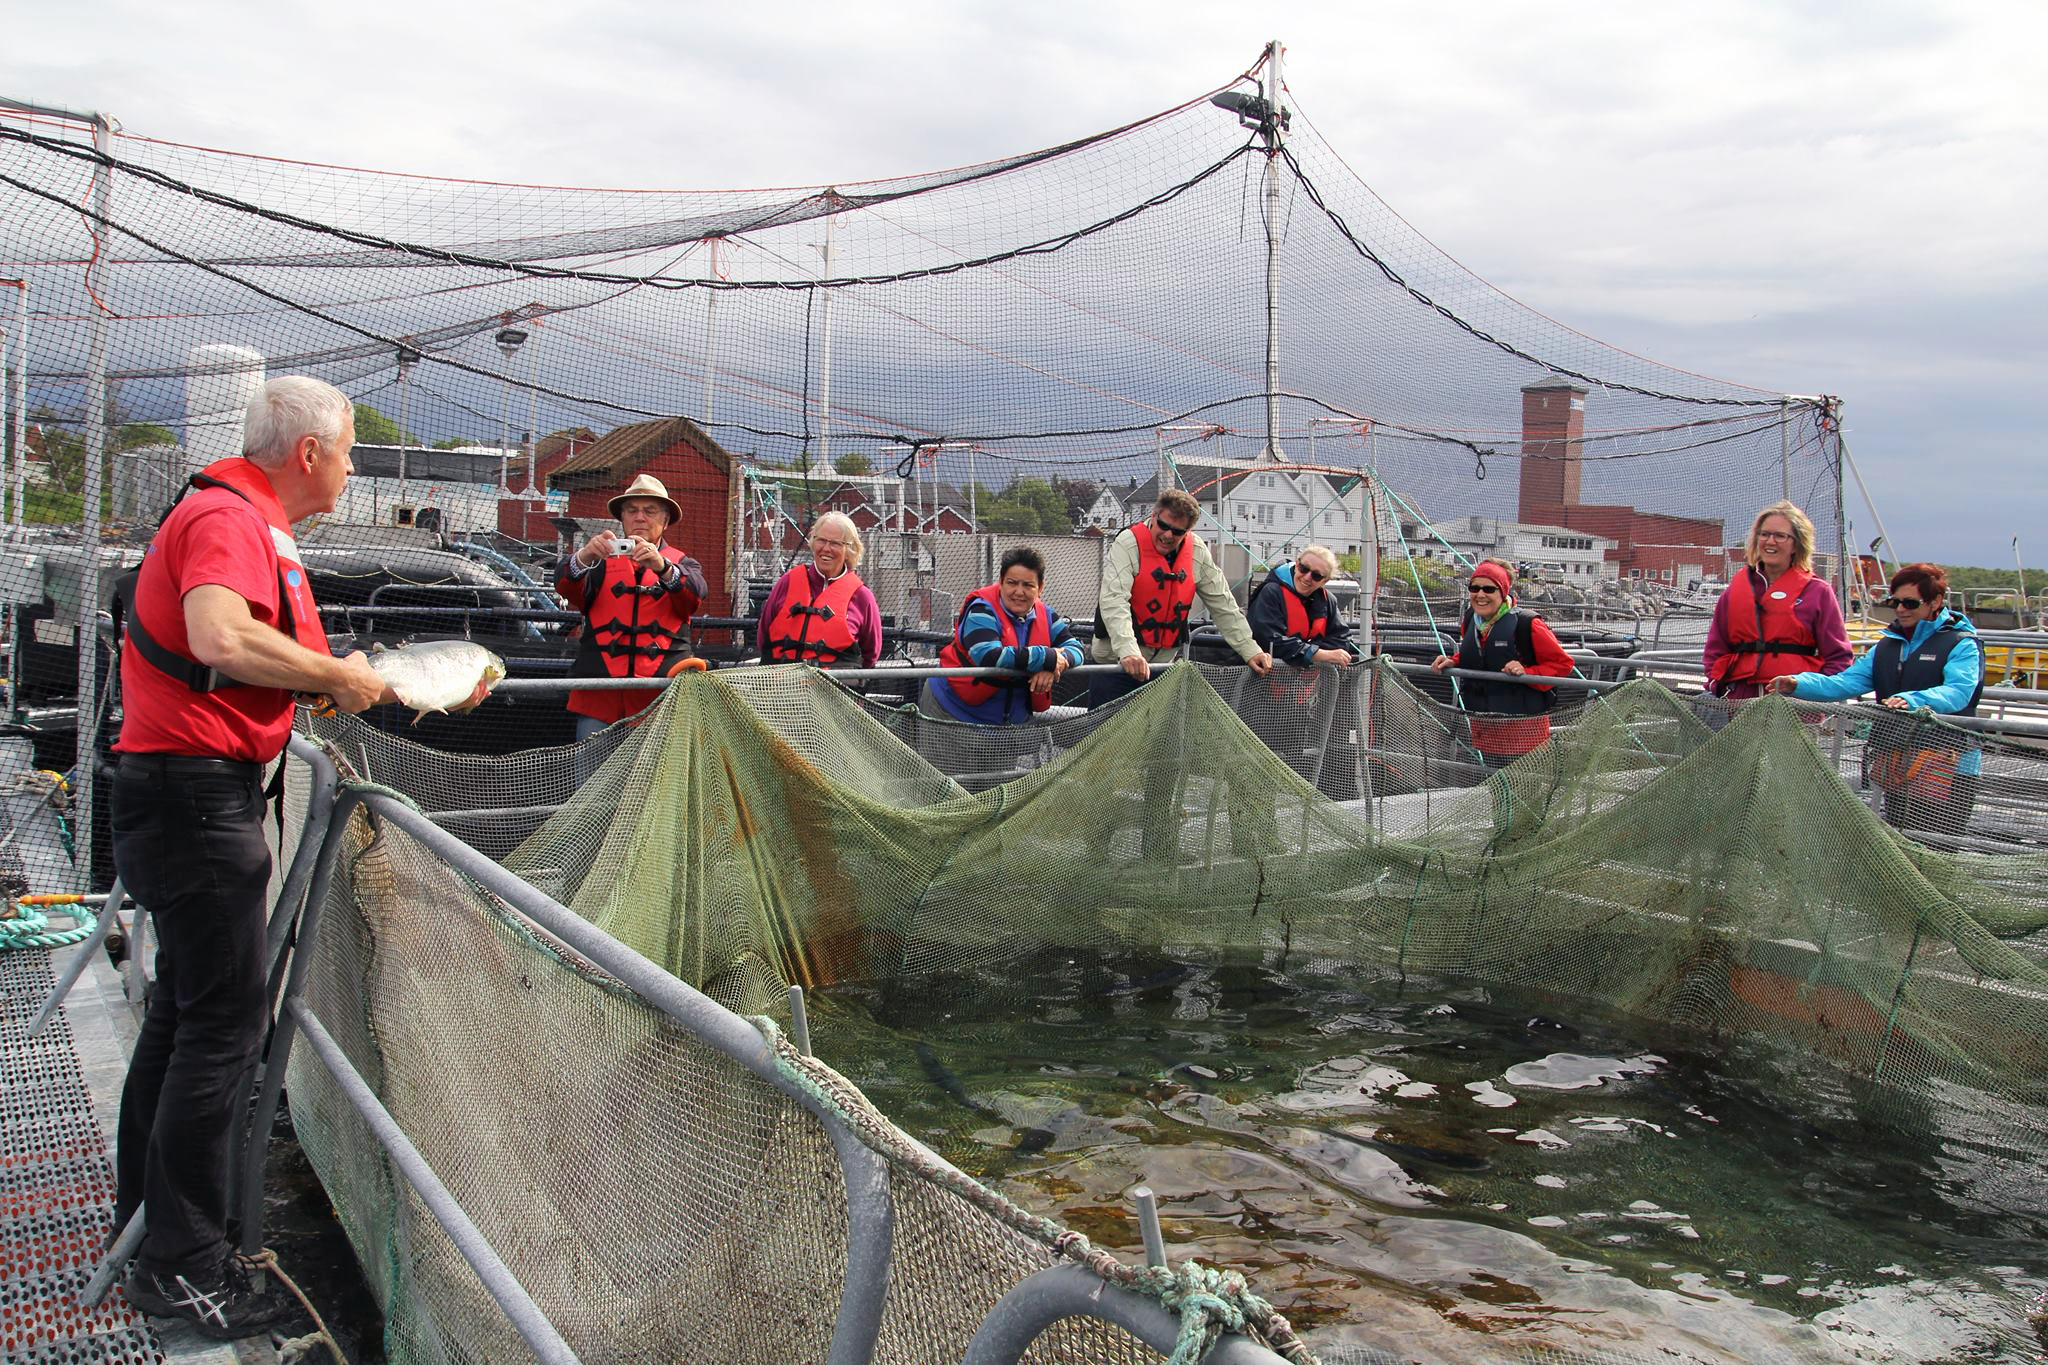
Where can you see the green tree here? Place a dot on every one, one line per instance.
(853, 462)
(453, 443)
(373, 428)
(136, 435)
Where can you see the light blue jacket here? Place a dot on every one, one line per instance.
(1959, 679)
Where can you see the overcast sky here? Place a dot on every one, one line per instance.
(1839, 198)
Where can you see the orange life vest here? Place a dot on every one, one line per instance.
(635, 627)
(1766, 639)
(814, 631)
(973, 691)
(1161, 595)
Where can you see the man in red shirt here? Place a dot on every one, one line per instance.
(223, 631)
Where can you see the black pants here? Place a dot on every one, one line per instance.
(188, 843)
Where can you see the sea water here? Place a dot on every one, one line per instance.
(1458, 1174)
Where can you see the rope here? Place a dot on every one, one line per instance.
(1208, 1301)
(27, 927)
(266, 1262)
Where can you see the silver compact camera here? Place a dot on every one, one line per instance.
(622, 545)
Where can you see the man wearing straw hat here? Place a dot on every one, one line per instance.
(637, 595)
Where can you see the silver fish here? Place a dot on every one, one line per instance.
(439, 676)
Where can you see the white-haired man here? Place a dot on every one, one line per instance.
(222, 631)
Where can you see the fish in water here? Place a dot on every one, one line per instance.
(439, 676)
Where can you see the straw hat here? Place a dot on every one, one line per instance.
(647, 486)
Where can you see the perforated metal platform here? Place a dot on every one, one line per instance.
(56, 1192)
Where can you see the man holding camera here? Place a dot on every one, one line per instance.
(637, 595)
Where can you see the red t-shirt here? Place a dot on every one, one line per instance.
(211, 537)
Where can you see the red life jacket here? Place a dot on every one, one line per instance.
(297, 616)
(1298, 622)
(1297, 684)
(1766, 639)
(633, 628)
(1161, 595)
(973, 691)
(814, 631)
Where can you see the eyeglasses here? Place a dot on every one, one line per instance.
(1908, 603)
(1478, 589)
(1167, 528)
(1304, 571)
(834, 544)
(1774, 535)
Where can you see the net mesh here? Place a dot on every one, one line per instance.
(1715, 878)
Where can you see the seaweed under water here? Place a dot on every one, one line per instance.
(1454, 1173)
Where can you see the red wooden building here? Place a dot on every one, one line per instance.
(702, 478)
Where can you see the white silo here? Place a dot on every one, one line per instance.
(219, 382)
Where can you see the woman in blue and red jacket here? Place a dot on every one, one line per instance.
(1508, 719)
(1004, 625)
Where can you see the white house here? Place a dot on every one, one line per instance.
(1553, 552)
(1272, 510)
(1106, 515)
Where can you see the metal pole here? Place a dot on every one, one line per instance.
(1846, 462)
(87, 631)
(520, 1310)
(75, 968)
(532, 417)
(2017, 563)
(20, 472)
(1369, 561)
(505, 429)
(825, 352)
(408, 359)
(6, 478)
(711, 337)
(1272, 450)
(1785, 450)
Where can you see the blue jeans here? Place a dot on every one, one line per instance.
(188, 843)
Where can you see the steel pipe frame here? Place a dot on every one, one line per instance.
(75, 968)
(525, 1315)
(870, 1210)
(908, 673)
(1070, 1291)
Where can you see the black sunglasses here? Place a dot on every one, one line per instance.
(1304, 571)
(1909, 603)
(1483, 587)
(1169, 528)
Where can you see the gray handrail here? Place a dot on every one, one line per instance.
(870, 1209)
(525, 1315)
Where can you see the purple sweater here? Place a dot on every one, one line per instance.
(1816, 608)
(864, 614)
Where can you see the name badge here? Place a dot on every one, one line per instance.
(1779, 594)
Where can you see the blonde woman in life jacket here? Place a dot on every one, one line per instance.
(1776, 618)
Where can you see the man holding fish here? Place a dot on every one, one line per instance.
(222, 632)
